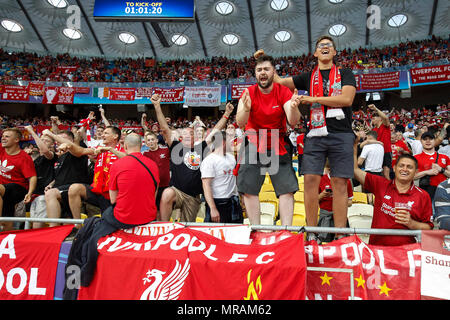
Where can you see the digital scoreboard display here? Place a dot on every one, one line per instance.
(144, 10)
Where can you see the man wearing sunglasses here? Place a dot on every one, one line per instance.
(329, 115)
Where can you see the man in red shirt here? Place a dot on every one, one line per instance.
(17, 175)
(132, 188)
(399, 204)
(431, 164)
(381, 126)
(161, 156)
(263, 110)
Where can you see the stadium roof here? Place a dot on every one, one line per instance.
(230, 28)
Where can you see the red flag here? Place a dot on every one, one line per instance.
(170, 94)
(36, 88)
(28, 262)
(430, 74)
(189, 264)
(122, 93)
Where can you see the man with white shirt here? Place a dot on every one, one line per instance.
(219, 184)
(372, 156)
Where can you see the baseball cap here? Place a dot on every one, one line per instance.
(410, 125)
(427, 134)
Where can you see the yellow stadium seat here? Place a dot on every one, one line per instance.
(84, 216)
(268, 196)
(267, 187)
(301, 179)
(298, 220)
(301, 187)
(359, 197)
(299, 208)
(267, 179)
(199, 219)
(299, 197)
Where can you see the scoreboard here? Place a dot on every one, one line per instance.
(144, 10)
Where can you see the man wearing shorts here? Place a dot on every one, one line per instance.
(263, 110)
(96, 194)
(331, 93)
(17, 175)
(185, 184)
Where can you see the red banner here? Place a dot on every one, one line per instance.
(15, 93)
(189, 264)
(144, 92)
(58, 95)
(122, 93)
(203, 73)
(82, 90)
(378, 81)
(36, 88)
(170, 94)
(238, 89)
(430, 74)
(66, 70)
(28, 262)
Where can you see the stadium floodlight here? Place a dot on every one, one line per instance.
(11, 25)
(179, 39)
(335, 1)
(127, 37)
(282, 36)
(58, 3)
(279, 5)
(230, 39)
(337, 30)
(224, 8)
(72, 34)
(397, 20)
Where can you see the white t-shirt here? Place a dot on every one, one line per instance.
(416, 146)
(220, 168)
(373, 153)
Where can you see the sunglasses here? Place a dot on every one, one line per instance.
(325, 45)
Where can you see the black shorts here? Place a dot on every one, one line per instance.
(252, 172)
(14, 193)
(65, 208)
(158, 196)
(337, 147)
(96, 199)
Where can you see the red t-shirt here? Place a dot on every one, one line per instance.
(300, 139)
(327, 202)
(384, 135)
(268, 113)
(16, 169)
(161, 156)
(386, 195)
(135, 202)
(426, 161)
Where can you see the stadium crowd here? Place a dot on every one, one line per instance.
(32, 67)
(60, 166)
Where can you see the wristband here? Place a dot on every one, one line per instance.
(226, 117)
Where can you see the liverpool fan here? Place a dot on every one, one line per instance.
(45, 172)
(97, 193)
(331, 91)
(161, 156)
(17, 175)
(399, 204)
(433, 167)
(185, 184)
(264, 109)
(219, 183)
(381, 125)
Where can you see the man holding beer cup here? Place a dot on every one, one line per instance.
(398, 204)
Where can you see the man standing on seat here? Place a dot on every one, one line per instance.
(263, 110)
(331, 93)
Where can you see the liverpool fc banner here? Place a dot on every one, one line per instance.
(190, 264)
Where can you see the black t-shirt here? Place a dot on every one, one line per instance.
(45, 172)
(185, 167)
(302, 82)
(70, 169)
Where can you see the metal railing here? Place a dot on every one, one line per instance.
(392, 232)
